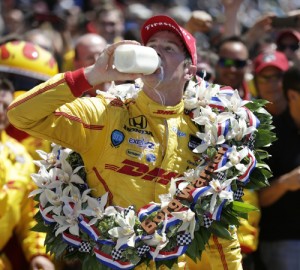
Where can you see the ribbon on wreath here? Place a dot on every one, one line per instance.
(46, 217)
(223, 128)
(244, 178)
(91, 230)
(168, 255)
(253, 120)
(147, 210)
(109, 261)
(216, 103)
(71, 240)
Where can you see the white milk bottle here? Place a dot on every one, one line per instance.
(130, 58)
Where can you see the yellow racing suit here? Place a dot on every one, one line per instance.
(16, 209)
(130, 149)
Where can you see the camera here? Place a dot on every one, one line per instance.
(286, 22)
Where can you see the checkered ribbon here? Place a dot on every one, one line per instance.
(207, 221)
(251, 141)
(184, 239)
(142, 250)
(238, 194)
(220, 176)
(117, 254)
(85, 247)
(126, 210)
(177, 192)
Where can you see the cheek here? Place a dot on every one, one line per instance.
(176, 66)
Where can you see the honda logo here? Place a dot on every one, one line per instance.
(138, 122)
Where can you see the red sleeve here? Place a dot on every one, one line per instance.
(77, 82)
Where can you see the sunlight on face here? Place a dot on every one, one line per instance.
(172, 53)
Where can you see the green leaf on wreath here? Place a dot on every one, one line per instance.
(91, 263)
(193, 250)
(202, 237)
(256, 104)
(263, 165)
(258, 179)
(243, 207)
(60, 249)
(264, 138)
(40, 227)
(218, 229)
(230, 218)
(261, 154)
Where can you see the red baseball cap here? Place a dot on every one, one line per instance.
(165, 23)
(271, 59)
(288, 32)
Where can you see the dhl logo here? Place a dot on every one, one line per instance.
(143, 171)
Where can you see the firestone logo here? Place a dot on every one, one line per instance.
(182, 32)
(164, 112)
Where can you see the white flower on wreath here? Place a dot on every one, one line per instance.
(235, 104)
(235, 157)
(68, 219)
(188, 221)
(198, 94)
(124, 91)
(165, 199)
(97, 209)
(50, 159)
(158, 240)
(209, 138)
(219, 190)
(239, 129)
(66, 175)
(55, 199)
(207, 117)
(44, 180)
(69, 194)
(73, 194)
(188, 177)
(125, 234)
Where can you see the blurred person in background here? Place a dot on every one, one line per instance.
(206, 62)
(288, 42)
(135, 14)
(40, 37)
(279, 245)
(268, 70)
(109, 23)
(14, 21)
(233, 65)
(180, 13)
(26, 64)
(16, 209)
(87, 49)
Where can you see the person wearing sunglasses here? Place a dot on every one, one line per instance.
(288, 42)
(232, 66)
